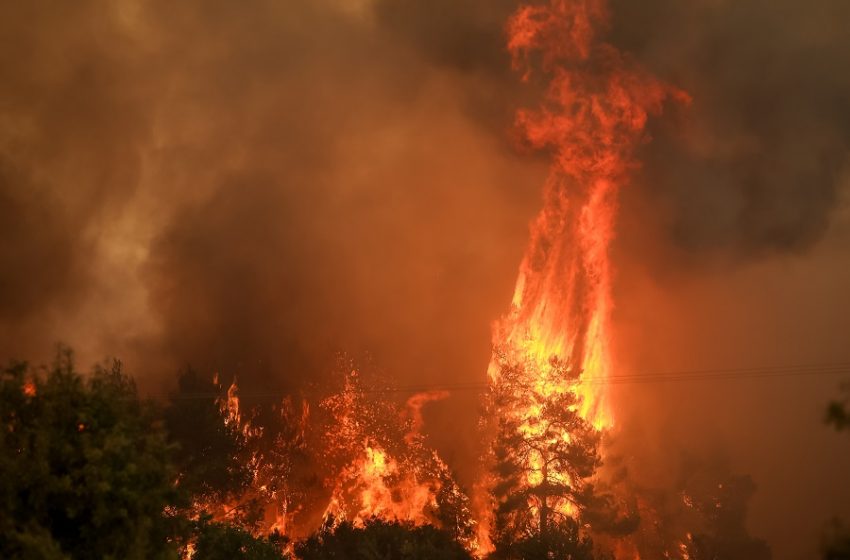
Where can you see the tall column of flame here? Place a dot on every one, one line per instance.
(593, 116)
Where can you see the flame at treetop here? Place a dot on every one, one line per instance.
(375, 460)
(596, 106)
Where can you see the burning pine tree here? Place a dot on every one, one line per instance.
(542, 463)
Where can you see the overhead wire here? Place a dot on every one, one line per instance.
(723, 374)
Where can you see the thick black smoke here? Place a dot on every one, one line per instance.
(756, 165)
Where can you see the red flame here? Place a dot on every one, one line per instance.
(388, 470)
(29, 388)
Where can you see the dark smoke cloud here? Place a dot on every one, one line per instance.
(236, 185)
(186, 121)
(467, 35)
(755, 165)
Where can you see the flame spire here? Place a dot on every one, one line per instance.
(593, 116)
(596, 106)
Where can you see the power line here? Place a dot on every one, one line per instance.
(726, 374)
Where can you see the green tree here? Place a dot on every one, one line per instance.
(84, 470)
(380, 540)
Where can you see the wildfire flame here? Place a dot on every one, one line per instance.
(29, 388)
(596, 106)
(388, 470)
(595, 110)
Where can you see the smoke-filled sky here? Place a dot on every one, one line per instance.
(252, 187)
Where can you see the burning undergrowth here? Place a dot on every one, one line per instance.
(299, 464)
(388, 470)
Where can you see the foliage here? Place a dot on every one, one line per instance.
(453, 511)
(563, 540)
(725, 534)
(701, 515)
(222, 541)
(84, 465)
(211, 455)
(380, 540)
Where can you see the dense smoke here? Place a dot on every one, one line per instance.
(755, 164)
(756, 167)
(284, 178)
(252, 187)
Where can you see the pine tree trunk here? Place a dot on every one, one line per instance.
(544, 504)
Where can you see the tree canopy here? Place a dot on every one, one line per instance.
(223, 541)
(378, 539)
(85, 469)
(211, 454)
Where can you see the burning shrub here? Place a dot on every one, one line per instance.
(382, 467)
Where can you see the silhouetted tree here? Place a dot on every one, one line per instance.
(380, 540)
(563, 540)
(837, 542)
(838, 411)
(222, 541)
(452, 512)
(211, 454)
(724, 509)
(84, 470)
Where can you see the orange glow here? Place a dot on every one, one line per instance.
(414, 407)
(388, 471)
(374, 485)
(373, 454)
(29, 389)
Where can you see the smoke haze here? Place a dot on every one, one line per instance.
(253, 187)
